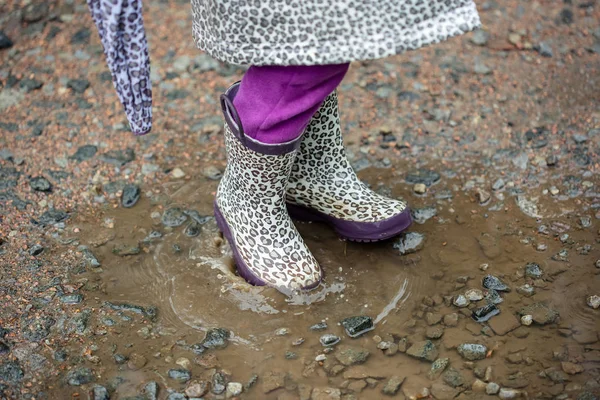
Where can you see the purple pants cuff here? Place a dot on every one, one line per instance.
(276, 103)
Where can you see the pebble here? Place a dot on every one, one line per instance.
(40, 184)
(136, 362)
(533, 270)
(426, 177)
(492, 388)
(216, 338)
(211, 172)
(526, 320)
(480, 37)
(328, 340)
(460, 301)
(100, 393)
(196, 389)
(423, 214)
(482, 196)
(593, 301)
(423, 350)
(356, 326)
(80, 376)
(437, 367)
(474, 295)
(36, 250)
(173, 217)
(472, 351)
(419, 188)
(349, 355)
(451, 320)
(393, 385)
(5, 41)
(319, 326)
(492, 282)
(526, 290)
(483, 314)
(180, 374)
(85, 153)
(11, 372)
(234, 389)
(78, 85)
(507, 394)
(130, 195)
(540, 313)
(177, 173)
(410, 242)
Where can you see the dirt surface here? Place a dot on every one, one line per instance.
(103, 301)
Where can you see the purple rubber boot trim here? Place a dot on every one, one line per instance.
(243, 269)
(355, 231)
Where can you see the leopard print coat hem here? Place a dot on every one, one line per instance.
(316, 32)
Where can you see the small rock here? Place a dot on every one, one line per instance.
(272, 381)
(212, 172)
(196, 389)
(80, 376)
(492, 282)
(483, 196)
(177, 173)
(180, 374)
(492, 388)
(533, 270)
(483, 314)
(410, 242)
(85, 153)
(504, 323)
(551, 160)
(472, 352)
(216, 338)
(540, 313)
(507, 394)
(136, 362)
(11, 372)
(478, 386)
(526, 320)
(424, 350)
(71, 299)
(452, 377)
(393, 385)
(474, 295)
(423, 214)
(36, 250)
(437, 367)
(593, 301)
(233, 389)
(78, 85)
(218, 383)
(326, 394)
(319, 326)
(173, 217)
(5, 41)
(526, 290)
(356, 326)
(545, 50)
(556, 376)
(130, 196)
(420, 188)
(451, 319)
(348, 355)
(100, 393)
(40, 184)
(328, 340)
(480, 37)
(460, 301)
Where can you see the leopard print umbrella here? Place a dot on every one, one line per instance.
(122, 34)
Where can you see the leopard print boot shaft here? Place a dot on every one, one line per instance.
(324, 187)
(251, 212)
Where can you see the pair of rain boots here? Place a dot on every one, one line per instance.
(308, 178)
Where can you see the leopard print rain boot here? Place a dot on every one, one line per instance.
(251, 212)
(324, 187)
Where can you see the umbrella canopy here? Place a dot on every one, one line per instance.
(121, 28)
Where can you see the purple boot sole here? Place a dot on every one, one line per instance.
(355, 231)
(243, 270)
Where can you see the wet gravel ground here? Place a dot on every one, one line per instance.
(493, 138)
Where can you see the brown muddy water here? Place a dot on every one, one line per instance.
(192, 283)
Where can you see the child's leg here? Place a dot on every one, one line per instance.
(276, 103)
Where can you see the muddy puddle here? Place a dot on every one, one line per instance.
(186, 274)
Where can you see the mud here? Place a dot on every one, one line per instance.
(193, 284)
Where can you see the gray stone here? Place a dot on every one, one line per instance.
(100, 393)
(453, 378)
(5, 41)
(348, 355)
(480, 37)
(492, 282)
(180, 374)
(216, 338)
(329, 340)
(437, 367)
(423, 214)
(11, 372)
(541, 313)
(53, 216)
(150, 390)
(356, 326)
(423, 350)
(533, 270)
(85, 153)
(173, 217)
(80, 376)
(472, 352)
(410, 242)
(130, 196)
(40, 184)
(78, 85)
(393, 385)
